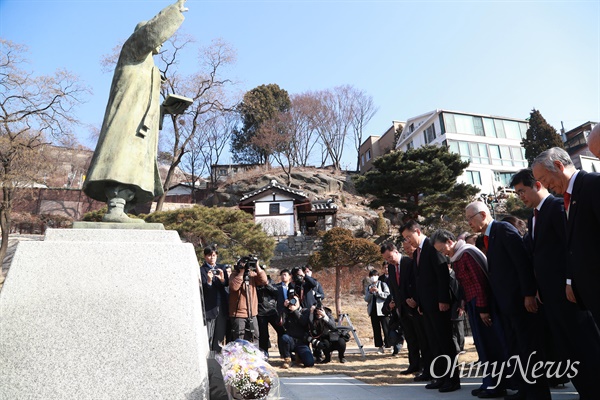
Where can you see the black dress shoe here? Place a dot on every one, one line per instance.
(515, 396)
(438, 383)
(342, 360)
(475, 392)
(422, 378)
(450, 387)
(409, 371)
(491, 394)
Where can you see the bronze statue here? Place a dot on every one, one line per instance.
(124, 170)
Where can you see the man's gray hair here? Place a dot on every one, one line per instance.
(548, 157)
(478, 206)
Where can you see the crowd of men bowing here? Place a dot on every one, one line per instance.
(532, 300)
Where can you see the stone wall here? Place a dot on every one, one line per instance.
(294, 246)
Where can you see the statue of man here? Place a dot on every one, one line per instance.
(124, 171)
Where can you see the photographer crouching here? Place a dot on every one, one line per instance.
(295, 339)
(243, 300)
(323, 332)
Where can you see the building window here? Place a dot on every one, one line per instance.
(362, 159)
(410, 145)
(274, 209)
(411, 128)
(512, 130)
(222, 172)
(478, 126)
(368, 154)
(449, 123)
(429, 134)
(473, 177)
(499, 128)
(523, 127)
(490, 130)
(504, 178)
(464, 124)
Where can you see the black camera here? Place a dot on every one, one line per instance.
(291, 297)
(316, 343)
(319, 297)
(248, 262)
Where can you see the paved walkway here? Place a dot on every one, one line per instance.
(342, 387)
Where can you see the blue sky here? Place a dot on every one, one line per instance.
(491, 57)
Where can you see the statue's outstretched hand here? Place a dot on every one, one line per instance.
(181, 3)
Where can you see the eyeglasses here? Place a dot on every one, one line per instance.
(471, 217)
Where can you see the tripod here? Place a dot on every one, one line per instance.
(348, 328)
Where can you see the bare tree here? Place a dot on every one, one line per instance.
(34, 111)
(363, 111)
(207, 90)
(209, 144)
(275, 136)
(334, 120)
(303, 114)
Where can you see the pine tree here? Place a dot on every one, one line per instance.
(233, 231)
(421, 181)
(540, 136)
(259, 106)
(341, 250)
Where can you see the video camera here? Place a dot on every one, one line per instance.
(248, 263)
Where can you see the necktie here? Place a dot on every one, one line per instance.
(567, 200)
(398, 275)
(486, 241)
(535, 219)
(418, 255)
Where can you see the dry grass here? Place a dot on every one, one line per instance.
(375, 369)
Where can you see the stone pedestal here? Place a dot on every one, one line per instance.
(103, 314)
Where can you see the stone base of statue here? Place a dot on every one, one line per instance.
(103, 314)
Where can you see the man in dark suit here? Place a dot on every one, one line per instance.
(575, 335)
(514, 288)
(433, 300)
(282, 290)
(215, 298)
(401, 288)
(581, 192)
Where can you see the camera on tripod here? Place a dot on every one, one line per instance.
(248, 263)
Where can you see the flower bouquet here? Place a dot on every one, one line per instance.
(246, 373)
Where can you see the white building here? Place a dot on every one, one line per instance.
(284, 211)
(491, 144)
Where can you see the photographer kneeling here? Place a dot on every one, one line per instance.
(324, 334)
(243, 300)
(295, 322)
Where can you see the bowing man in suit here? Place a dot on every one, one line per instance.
(513, 286)
(575, 334)
(433, 299)
(581, 193)
(400, 282)
(470, 266)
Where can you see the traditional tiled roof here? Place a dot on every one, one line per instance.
(274, 185)
(320, 205)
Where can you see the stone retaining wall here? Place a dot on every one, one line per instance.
(292, 246)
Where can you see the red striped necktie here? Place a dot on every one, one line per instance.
(567, 200)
